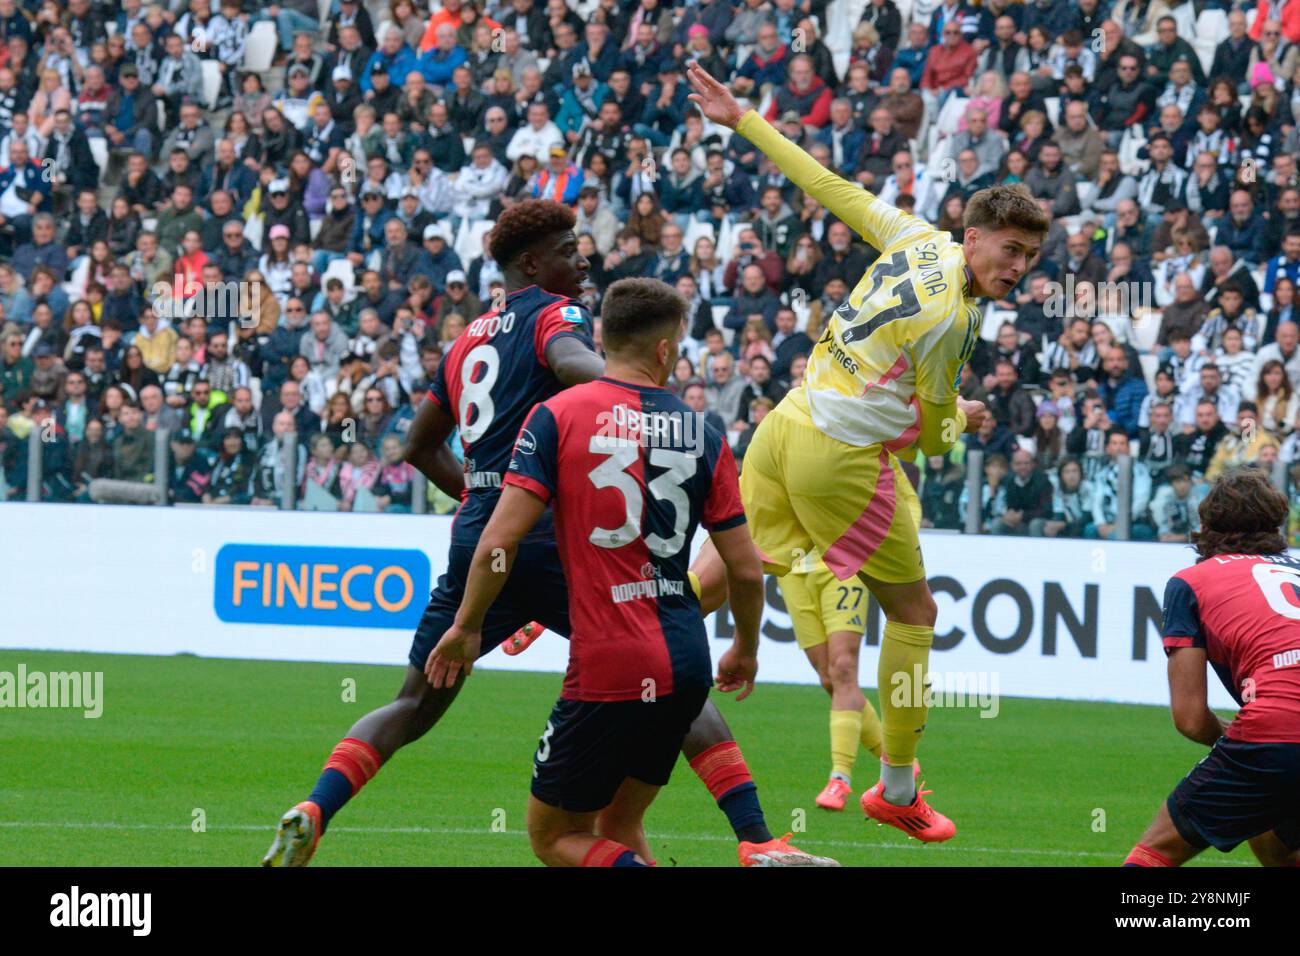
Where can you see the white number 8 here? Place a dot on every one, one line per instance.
(544, 745)
(478, 395)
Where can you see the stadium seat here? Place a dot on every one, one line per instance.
(694, 231)
(1086, 189)
(1150, 364)
(720, 313)
(993, 319)
(922, 11)
(110, 27)
(99, 149)
(904, 10)
(469, 240)
(1250, 17)
(75, 287)
(324, 7)
(725, 240)
(314, 227)
(1053, 104)
(1185, 17)
(342, 270)
(253, 232)
(1145, 329)
(1204, 52)
(211, 83)
(259, 49)
(802, 313)
(1212, 25)
(841, 60)
(951, 114)
(1133, 140)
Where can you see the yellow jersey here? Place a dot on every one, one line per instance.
(905, 330)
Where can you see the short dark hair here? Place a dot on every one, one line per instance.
(524, 224)
(638, 311)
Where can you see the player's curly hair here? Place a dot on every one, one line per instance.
(1242, 514)
(1001, 207)
(523, 224)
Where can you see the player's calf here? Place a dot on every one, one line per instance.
(1161, 844)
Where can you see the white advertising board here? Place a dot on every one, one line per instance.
(1027, 617)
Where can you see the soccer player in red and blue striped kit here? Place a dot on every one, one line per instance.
(1237, 608)
(630, 472)
(524, 351)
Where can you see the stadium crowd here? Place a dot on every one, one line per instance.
(239, 223)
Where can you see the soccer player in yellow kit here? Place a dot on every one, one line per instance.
(823, 470)
(828, 617)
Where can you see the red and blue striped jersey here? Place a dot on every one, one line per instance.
(492, 376)
(630, 472)
(1244, 610)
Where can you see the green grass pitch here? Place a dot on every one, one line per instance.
(193, 760)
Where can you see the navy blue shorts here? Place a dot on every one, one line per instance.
(590, 747)
(535, 591)
(1238, 791)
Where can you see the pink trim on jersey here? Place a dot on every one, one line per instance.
(895, 370)
(909, 435)
(856, 546)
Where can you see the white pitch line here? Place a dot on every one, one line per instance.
(483, 831)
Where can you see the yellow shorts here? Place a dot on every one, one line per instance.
(819, 605)
(804, 490)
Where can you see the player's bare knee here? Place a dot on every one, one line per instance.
(843, 670)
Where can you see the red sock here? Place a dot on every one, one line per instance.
(1142, 855)
(722, 768)
(356, 760)
(604, 852)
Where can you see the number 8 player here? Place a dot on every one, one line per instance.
(523, 352)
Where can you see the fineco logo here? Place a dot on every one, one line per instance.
(525, 444)
(313, 586)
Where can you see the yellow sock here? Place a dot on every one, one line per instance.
(870, 729)
(846, 726)
(904, 663)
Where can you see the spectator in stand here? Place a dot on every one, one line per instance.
(1121, 391)
(1105, 494)
(1028, 498)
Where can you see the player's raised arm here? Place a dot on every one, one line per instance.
(514, 516)
(877, 222)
